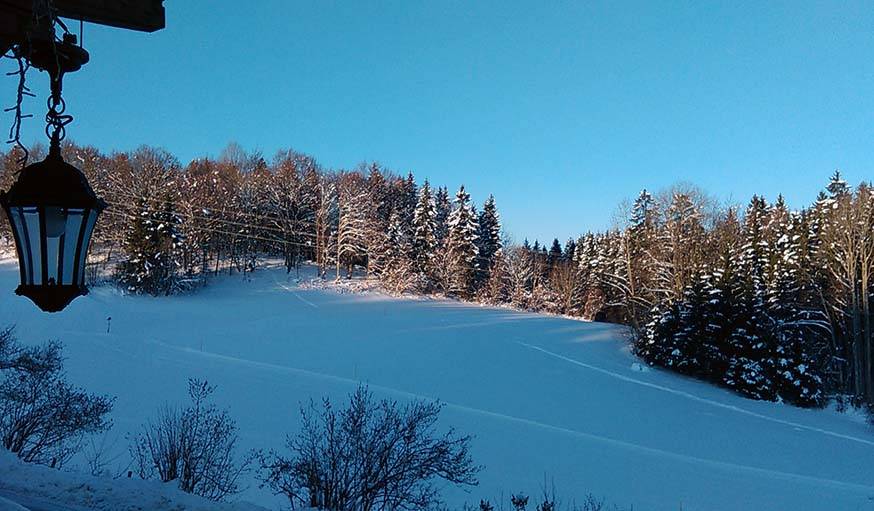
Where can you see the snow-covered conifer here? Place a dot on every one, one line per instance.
(425, 237)
(461, 246)
(488, 236)
(398, 275)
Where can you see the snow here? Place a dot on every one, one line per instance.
(545, 396)
(44, 489)
(8, 505)
(637, 366)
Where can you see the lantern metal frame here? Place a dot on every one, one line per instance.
(52, 256)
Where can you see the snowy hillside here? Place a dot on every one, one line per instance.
(41, 488)
(544, 396)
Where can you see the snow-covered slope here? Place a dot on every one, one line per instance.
(544, 396)
(44, 489)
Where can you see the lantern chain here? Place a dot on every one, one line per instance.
(56, 119)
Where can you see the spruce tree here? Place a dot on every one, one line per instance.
(754, 256)
(425, 238)
(796, 326)
(555, 252)
(749, 346)
(488, 237)
(837, 187)
(442, 208)
(570, 250)
(642, 211)
(461, 246)
(405, 197)
(152, 248)
(585, 280)
(377, 215)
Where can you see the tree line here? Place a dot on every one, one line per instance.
(770, 302)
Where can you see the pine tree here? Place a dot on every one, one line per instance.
(687, 349)
(443, 208)
(555, 252)
(377, 213)
(837, 187)
(152, 247)
(521, 273)
(425, 238)
(585, 281)
(748, 345)
(795, 326)
(639, 246)
(488, 237)
(659, 344)
(405, 197)
(642, 211)
(754, 256)
(570, 250)
(461, 246)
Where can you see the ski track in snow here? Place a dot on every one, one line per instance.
(297, 295)
(776, 474)
(693, 397)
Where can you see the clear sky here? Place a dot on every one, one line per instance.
(561, 109)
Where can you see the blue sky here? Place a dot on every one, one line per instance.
(561, 109)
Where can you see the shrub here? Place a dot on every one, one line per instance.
(370, 455)
(194, 446)
(43, 418)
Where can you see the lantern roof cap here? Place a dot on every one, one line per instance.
(52, 182)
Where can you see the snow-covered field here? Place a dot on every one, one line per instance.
(546, 397)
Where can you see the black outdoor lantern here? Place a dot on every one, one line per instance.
(53, 211)
(51, 207)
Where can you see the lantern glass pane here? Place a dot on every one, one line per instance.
(86, 240)
(52, 252)
(24, 253)
(31, 221)
(55, 219)
(71, 238)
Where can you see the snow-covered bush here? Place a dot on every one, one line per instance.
(43, 418)
(370, 455)
(195, 446)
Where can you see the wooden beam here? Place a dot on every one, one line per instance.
(11, 28)
(142, 15)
